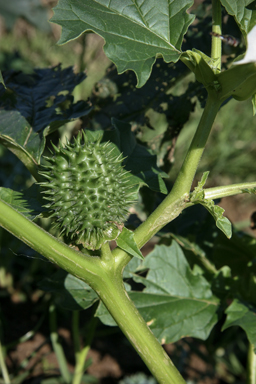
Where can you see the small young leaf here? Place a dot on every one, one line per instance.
(251, 191)
(244, 315)
(198, 192)
(135, 32)
(203, 67)
(197, 197)
(126, 242)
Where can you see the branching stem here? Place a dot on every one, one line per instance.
(177, 199)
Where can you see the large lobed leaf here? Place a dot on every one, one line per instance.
(244, 16)
(175, 303)
(136, 32)
(243, 315)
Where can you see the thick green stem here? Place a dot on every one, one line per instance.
(251, 365)
(59, 253)
(106, 280)
(129, 320)
(216, 29)
(187, 173)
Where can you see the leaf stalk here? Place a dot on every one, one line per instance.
(227, 190)
(216, 29)
(251, 365)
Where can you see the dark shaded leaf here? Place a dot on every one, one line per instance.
(44, 98)
(236, 253)
(138, 160)
(70, 292)
(157, 116)
(34, 102)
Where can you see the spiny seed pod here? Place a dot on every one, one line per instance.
(89, 191)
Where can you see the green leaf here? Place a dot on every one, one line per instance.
(126, 242)
(251, 191)
(238, 82)
(241, 12)
(135, 32)
(175, 303)
(18, 136)
(197, 197)
(70, 292)
(131, 267)
(203, 67)
(138, 160)
(198, 193)
(198, 258)
(243, 315)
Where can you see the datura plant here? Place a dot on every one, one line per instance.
(90, 185)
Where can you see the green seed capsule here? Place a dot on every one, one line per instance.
(87, 188)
